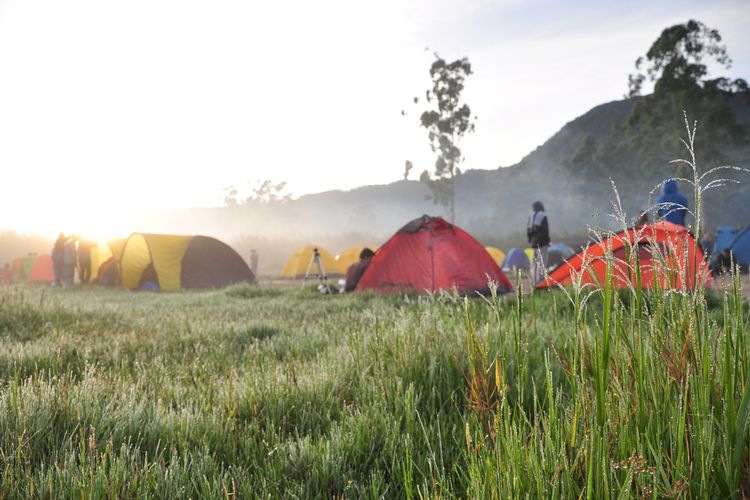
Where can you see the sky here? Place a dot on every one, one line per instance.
(110, 109)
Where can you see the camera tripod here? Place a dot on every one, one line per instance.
(324, 286)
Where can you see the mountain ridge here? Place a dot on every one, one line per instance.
(494, 202)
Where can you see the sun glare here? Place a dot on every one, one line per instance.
(95, 223)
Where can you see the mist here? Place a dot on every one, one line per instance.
(492, 205)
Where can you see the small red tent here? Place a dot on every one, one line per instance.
(430, 254)
(667, 255)
(41, 270)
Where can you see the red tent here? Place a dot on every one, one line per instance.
(430, 254)
(667, 255)
(41, 270)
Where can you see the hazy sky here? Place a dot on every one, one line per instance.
(108, 108)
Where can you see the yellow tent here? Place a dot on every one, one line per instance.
(299, 261)
(116, 246)
(530, 255)
(348, 257)
(99, 254)
(103, 252)
(181, 262)
(163, 251)
(497, 255)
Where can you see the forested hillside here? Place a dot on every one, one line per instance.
(570, 173)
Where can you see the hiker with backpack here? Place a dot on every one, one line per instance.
(672, 205)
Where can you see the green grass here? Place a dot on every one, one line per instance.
(273, 391)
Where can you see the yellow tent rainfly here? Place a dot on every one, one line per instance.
(176, 262)
(347, 258)
(497, 255)
(298, 262)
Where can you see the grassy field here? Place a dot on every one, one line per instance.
(275, 392)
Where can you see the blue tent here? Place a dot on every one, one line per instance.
(558, 252)
(516, 259)
(725, 235)
(735, 239)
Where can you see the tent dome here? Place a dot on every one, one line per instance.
(557, 253)
(735, 239)
(299, 262)
(517, 259)
(181, 262)
(667, 255)
(347, 258)
(429, 254)
(497, 255)
(41, 270)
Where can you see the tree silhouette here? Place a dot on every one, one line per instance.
(446, 123)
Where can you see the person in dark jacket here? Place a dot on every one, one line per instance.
(537, 233)
(84, 260)
(672, 205)
(69, 259)
(355, 271)
(58, 250)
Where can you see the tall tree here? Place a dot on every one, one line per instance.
(676, 61)
(446, 123)
(636, 153)
(678, 64)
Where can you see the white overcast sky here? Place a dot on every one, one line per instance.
(108, 108)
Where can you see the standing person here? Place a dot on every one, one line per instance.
(672, 205)
(254, 263)
(84, 260)
(355, 271)
(69, 261)
(537, 233)
(57, 259)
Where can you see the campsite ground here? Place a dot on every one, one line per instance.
(274, 391)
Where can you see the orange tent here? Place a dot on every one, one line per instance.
(667, 255)
(41, 270)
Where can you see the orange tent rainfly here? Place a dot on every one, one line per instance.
(41, 270)
(430, 254)
(668, 257)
